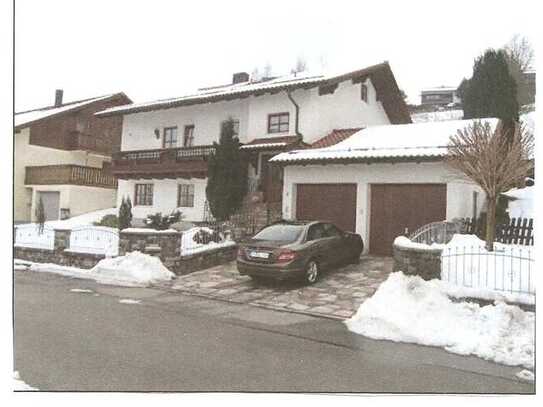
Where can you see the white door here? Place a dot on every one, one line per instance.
(51, 204)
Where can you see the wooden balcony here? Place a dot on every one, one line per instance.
(184, 162)
(69, 175)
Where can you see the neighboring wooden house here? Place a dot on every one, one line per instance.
(381, 182)
(440, 96)
(162, 164)
(63, 154)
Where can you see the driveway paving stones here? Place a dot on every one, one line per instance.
(337, 294)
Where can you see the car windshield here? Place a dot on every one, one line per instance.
(282, 232)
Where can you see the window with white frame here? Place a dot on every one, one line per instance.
(235, 125)
(188, 136)
(185, 196)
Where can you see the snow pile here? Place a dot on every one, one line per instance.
(20, 385)
(409, 309)
(134, 269)
(521, 203)
(129, 301)
(81, 220)
(526, 375)
(507, 273)
(438, 116)
(402, 241)
(190, 246)
(148, 230)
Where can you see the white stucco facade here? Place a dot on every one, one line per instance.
(165, 197)
(460, 192)
(75, 198)
(318, 115)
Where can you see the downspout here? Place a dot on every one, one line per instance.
(297, 114)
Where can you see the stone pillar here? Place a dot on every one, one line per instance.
(62, 239)
(165, 245)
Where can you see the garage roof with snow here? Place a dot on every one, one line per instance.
(400, 142)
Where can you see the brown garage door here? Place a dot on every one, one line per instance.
(395, 207)
(334, 203)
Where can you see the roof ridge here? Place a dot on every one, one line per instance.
(68, 103)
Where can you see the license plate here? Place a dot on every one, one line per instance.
(261, 255)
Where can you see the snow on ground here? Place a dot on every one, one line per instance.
(81, 220)
(80, 290)
(189, 246)
(19, 384)
(507, 273)
(134, 269)
(522, 203)
(438, 116)
(526, 375)
(410, 309)
(129, 301)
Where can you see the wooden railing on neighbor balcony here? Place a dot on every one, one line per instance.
(69, 174)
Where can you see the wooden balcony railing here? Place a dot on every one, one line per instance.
(183, 161)
(69, 175)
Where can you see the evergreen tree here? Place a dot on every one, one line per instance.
(491, 91)
(40, 216)
(125, 214)
(227, 175)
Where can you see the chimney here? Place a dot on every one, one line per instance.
(239, 77)
(58, 97)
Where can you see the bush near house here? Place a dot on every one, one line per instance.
(111, 221)
(159, 222)
(125, 213)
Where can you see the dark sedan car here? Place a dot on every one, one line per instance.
(291, 249)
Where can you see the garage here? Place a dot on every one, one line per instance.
(396, 208)
(334, 203)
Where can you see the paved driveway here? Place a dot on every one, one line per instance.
(337, 294)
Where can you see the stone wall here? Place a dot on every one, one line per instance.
(204, 260)
(60, 257)
(425, 263)
(164, 245)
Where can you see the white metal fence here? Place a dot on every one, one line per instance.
(29, 236)
(508, 269)
(95, 240)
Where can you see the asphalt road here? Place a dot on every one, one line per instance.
(88, 341)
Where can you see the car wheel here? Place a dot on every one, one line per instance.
(311, 272)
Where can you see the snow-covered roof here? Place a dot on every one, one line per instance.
(381, 76)
(31, 116)
(400, 141)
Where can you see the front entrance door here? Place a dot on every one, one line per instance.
(51, 204)
(272, 178)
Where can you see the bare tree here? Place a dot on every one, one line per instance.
(494, 160)
(520, 51)
(300, 66)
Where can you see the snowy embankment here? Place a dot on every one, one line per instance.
(507, 273)
(135, 269)
(190, 246)
(410, 309)
(20, 385)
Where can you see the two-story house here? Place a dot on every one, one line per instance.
(63, 156)
(440, 96)
(162, 164)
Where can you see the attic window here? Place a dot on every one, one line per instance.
(364, 92)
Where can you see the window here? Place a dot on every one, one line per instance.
(315, 232)
(144, 195)
(278, 122)
(185, 195)
(170, 137)
(235, 124)
(331, 230)
(188, 136)
(364, 92)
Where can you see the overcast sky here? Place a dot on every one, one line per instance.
(164, 48)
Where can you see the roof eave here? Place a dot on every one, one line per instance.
(361, 160)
